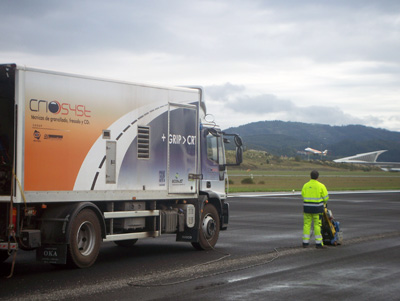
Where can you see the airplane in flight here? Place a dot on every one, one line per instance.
(316, 152)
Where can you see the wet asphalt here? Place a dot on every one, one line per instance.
(259, 257)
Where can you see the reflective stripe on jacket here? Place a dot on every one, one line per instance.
(314, 195)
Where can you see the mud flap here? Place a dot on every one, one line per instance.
(225, 216)
(55, 254)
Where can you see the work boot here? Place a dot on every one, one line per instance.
(319, 246)
(305, 245)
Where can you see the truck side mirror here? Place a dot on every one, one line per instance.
(239, 148)
(238, 141)
(239, 155)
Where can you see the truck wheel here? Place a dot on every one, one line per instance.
(125, 243)
(84, 240)
(3, 255)
(209, 229)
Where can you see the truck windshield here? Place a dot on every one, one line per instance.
(215, 149)
(212, 148)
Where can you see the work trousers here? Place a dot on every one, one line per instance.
(315, 218)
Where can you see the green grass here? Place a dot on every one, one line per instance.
(270, 173)
(290, 182)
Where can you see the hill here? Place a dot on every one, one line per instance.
(282, 138)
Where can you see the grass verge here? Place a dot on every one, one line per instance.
(288, 182)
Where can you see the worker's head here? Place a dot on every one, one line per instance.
(314, 175)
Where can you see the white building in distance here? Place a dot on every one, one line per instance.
(370, 159)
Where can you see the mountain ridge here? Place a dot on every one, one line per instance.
(288, 138)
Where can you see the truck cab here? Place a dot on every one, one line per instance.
(214, 182)
(213, 159)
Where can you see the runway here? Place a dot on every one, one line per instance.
(259, 257)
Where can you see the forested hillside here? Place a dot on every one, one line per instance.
(288, 138)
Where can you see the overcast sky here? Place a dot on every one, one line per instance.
(331, 62)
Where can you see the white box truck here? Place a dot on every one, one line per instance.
(85, 160)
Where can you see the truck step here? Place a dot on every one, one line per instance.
(126, 214)
(136, 235)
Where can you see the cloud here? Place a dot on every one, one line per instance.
(52, 28)
(335, 60)
(271, 107)
(262, 104)
(216, 30)
(221, 92)
(324, 115)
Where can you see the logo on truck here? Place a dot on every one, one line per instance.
(177, 179)
(36, 134)
(56, 107)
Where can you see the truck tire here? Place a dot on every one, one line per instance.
(209, 229)
(84, 239)
(125, 243)
(3, 255)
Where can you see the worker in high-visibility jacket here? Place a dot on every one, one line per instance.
(315, 196)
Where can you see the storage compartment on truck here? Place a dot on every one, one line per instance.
(132, 222)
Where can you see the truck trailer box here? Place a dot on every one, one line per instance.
(86, 135)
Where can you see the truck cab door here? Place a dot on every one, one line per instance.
(213, 161)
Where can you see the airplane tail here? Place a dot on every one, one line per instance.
(325, 152)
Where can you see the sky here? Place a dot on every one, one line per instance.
(327, 62)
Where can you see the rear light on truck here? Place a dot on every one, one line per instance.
(31, 211)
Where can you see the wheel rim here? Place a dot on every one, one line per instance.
(209, 228)
(86, 238)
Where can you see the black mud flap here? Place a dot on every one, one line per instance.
(225, 216)
(56, 254)
(189, 235)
